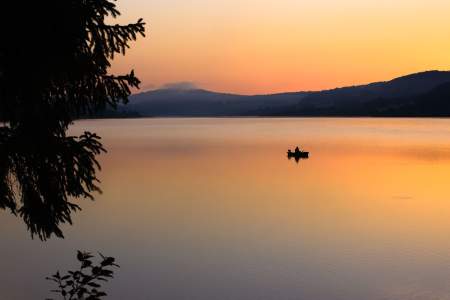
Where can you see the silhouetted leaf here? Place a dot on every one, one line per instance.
(84, 285)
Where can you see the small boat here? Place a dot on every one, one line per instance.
(297, 154)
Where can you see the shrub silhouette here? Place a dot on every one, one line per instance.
(84, 283)
(54, 67)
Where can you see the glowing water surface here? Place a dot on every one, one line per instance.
(213, 209)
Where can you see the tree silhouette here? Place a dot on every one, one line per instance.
(55, 57)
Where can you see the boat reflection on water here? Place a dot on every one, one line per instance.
(297, 154)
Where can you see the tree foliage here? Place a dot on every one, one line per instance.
(55, 59)
(44, 172)
(84, 283)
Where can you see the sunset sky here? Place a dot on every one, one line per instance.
(267, 46)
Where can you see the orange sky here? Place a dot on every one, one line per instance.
(266, 46)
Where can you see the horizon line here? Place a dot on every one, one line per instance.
(195, 87)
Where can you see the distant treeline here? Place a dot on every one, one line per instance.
(110, 113)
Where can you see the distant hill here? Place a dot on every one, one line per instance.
(198, 102)
(366, 100)
(435, 103)
(402, 96)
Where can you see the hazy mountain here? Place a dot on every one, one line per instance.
(198, 102)
(381, 98)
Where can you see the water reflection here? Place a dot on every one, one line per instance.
(297, 158)
(211, 209)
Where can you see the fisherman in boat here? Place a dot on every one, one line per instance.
(297, 154)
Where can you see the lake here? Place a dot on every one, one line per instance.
(213, 209)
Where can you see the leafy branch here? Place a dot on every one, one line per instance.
(84, 283)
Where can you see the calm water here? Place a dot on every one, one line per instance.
(212, 209)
